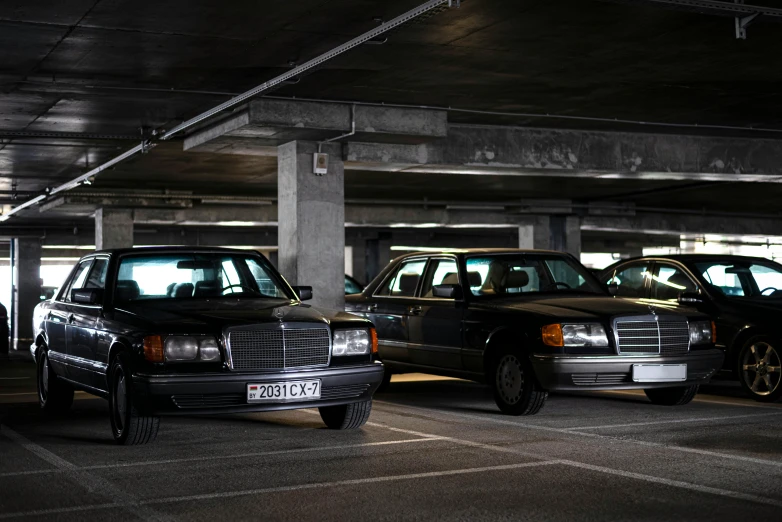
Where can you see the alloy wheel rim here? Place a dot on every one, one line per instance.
(510, 379)
(45, 378)
(761, 369)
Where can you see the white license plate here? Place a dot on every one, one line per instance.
(283, 391)
(659, 372)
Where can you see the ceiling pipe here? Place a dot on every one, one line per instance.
(144, 146)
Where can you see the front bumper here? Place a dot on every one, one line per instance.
(569, 373)
(186, 394)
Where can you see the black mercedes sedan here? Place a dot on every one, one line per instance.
(184, 331)
(527, 322)
(742, 294)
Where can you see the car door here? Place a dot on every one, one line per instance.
(632, 279)
(435, 324)
(390, 308)
(56, 322)
(81, 333)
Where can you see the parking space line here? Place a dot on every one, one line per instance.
(225, 457)
(699, 400)
(91, 483)
(297, 487)
(648, 478)
(766, 462)
(673, 421)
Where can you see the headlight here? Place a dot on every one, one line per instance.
(353, 342)
(183, 348)
(701, 332)
(574, 335)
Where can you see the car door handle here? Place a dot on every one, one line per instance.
(415, 310)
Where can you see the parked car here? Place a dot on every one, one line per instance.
(352, 286)
(527, 322)
(742, 294)
(185, 331)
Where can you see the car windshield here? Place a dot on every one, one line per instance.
(201, 275)
(514, 274)
(743, 278)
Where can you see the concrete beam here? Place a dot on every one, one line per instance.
(267, 123)
(668, 224)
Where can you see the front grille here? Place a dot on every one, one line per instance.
(209, 401)
(345, 391)
(279, 348)
(663, 336)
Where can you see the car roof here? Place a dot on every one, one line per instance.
(170, 249)
(471, 251)
(692, 258)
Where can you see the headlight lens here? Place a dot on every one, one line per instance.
(351, 342)
(584, 335)
(700, 332)
(183, 348)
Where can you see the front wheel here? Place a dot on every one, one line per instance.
(128, 425)
(676, 396)
(346, 416)
(759, 369)
(54, 395)
(516, 391)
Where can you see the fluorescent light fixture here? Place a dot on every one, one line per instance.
(399, 248)
(236, 202)
(68, 247)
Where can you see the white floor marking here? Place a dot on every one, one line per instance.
(283, 489)
(563, 431)
(93, 484)
(225, 457)
(673, 421)
(699, 399)
(12, 378)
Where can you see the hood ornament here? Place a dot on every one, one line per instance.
(279, 313)
(653, 310)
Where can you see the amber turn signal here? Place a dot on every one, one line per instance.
(713, 333)
(373, 338)
(153, 348)
(552, 335)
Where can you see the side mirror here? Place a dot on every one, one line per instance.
(304, 292)
(613, 288)
(447, 291)
(690, 298)
(89, 296)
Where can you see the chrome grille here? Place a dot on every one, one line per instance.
(650, 335)
(279, 348)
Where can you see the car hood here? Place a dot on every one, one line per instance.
(578, 307)
(215, 314)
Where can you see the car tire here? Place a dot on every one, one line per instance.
(54, 395)
(128, 425)
(346, 416)
(759, 369)
(516, 389)
(676, 396)
(384, 384)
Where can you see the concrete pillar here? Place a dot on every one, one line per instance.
(27, 289)
(378, 255)
(561, 233)
(113, 228)
(359, 252)
(311, 217)
(573, 236)
(535, 233)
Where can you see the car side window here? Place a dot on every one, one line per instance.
(78, 280)
(404, 281)
(440, 272)
(630, 279)
(97, 277)
(668, 282)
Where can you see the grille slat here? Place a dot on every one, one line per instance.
(279, 348)
(665, 336)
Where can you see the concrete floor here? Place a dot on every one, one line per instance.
(435, 449)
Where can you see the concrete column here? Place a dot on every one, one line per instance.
(27, 289)
(378, 255)
(573, 236)
(360, 261)
(113, 228)
(311, 217)
(535, 233)
(561, 233)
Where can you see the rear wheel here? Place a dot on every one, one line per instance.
(347, 416)
(760, 369)
(54, 395)
(676, 396)
(128, 425)
(516, 391)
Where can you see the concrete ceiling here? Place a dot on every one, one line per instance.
(79, 79)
